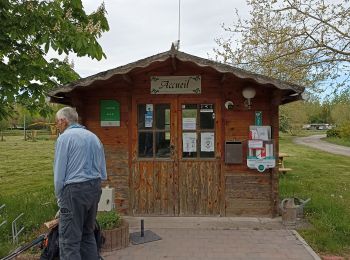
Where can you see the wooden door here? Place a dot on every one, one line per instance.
(175, 158)
(199, 167)
(154, 183)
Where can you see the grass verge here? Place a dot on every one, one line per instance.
(325, 178)
(338, 141)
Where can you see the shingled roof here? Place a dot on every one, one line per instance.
(181, 56)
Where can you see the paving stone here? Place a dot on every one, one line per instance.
(212, 238)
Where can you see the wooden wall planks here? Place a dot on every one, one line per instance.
(183, 187)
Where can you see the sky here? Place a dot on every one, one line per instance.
(140, 28)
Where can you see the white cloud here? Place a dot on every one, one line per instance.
(139, 29)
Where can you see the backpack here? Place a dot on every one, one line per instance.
(50, 245)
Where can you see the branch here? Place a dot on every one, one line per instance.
(322, 44)
(319, 19)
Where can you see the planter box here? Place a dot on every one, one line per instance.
(117, 238)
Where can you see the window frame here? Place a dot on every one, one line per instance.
(198, 131)
(154, 130)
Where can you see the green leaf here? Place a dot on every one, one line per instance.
(47, 46)
(28, 30)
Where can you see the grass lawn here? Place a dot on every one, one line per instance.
(26, 185)
(325, 178)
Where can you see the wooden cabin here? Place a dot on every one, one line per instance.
(178, 134)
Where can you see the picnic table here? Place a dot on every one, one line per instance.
(281, 168)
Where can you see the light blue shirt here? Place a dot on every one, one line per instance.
(79, 157)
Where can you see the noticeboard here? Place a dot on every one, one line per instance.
(109, 113)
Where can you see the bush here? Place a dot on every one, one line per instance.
(333, 133)
(284, 125)
(345, 130)
(109, 219)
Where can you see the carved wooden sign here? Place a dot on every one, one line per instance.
(176, 84)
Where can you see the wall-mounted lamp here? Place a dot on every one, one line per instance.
(248, 93)
(229, 105)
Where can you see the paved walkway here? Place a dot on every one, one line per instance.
(201, 238)
(315, 141)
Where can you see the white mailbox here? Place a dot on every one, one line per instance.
(107, 199)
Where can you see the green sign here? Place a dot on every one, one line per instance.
(258, 117)
(110, 113)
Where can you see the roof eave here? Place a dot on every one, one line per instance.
(184, 57)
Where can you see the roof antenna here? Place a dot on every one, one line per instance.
(177, 43)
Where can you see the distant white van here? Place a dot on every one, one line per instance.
(317, 126)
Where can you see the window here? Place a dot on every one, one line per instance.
(198, 131)
(153, 131)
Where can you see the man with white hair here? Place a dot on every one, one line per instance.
(79, 167)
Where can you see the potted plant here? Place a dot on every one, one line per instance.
(114, 229)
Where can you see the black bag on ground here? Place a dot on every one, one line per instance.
(50, 245)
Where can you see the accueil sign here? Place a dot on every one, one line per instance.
(176, 84)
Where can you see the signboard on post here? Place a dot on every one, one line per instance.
(109, 113)
(176, 85)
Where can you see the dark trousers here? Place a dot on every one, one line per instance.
(77, 220)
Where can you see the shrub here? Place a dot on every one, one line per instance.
(345, 130)
(109, 219)
(333, 133)
(284, 123)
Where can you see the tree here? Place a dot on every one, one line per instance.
(302, 41)
(29, 29)
(341, 109)
(293, 116)
(3, 126)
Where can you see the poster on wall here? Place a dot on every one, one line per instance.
(207, 142)
(149, 115)
(189, 123)
(109, 113)
(260, 132)
(189, 142)
(148, 119)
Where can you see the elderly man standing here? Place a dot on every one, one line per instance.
(79, 167)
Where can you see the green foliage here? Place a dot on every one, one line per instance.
(29, 29)
(109, 219)
(293, 116)
(306, 42)
(334, 132)
(344, 130)
(284, 125)
(335, 110)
